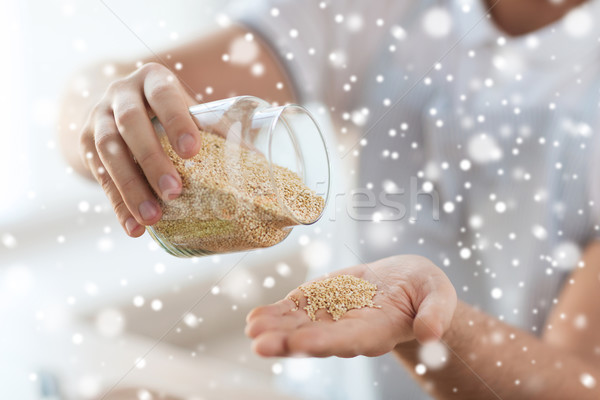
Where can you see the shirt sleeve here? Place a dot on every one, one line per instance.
(298, 34)
(325, 46)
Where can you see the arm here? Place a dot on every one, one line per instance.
(564, 363)
(105, 117)
(486, 358)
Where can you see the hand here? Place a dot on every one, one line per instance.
(417, 302)
(119, 146)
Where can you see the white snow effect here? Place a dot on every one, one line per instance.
(110, 322)
(432, 171)
(223, 20)
(433, 355)
(476, 221)
(105, 244)
(580, 321)
(138, 301)
(539, 232)
(303, 240)
(484, 149)
(140, 363)
(398, 32)
(258, 69)
(77, 338)
(449, 207)
(587, 380)
(277, 368)
(465, 165)
(83, 206)
(359, 117)
(143, 394)
(578, 23)
(283, 269)
(191, 320)
(437, 22)
(496, 293)
(420, 369)
(269, 282)
(90, 288)
(17, 280)
(566, 255)
(299, 369)
(355, 22)
(581, 129)
(500, 207)
(465, 253)
(337, 58)
(156, 305)
(377, 216)
(243, 51)
(240, 285)
(159, 268)
(317, 254)
(89, 386)
(380, 235)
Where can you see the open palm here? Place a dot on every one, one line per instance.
(416, 298)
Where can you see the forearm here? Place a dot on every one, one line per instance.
(488, 359)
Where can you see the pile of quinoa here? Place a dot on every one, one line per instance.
(229, 201)
(338, 295)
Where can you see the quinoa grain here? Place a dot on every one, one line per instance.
(229, 200)
(338, 295)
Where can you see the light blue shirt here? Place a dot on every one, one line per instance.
(501, 130)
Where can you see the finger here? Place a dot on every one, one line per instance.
(275, 309)
(126, 219)
(166, 99)
(264, 323)
(136, 130)
(347, 337)
(271, 344)
(123, 171)
(435, 312)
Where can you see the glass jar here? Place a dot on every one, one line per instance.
(261, 170)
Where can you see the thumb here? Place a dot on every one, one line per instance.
(435, 312)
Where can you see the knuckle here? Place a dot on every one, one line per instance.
(86, 139)
(116, 86)
(97, 108)
(105, 142)
(107, 185)
(120, 209)
(175, 120)
(152, 156)
(160, 89)
(130, 184)
(150, 67)
(127, 114)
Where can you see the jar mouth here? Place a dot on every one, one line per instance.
(295, 125)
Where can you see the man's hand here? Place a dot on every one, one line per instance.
(118, 137)
(417, 301)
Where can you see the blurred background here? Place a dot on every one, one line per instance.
(87, 311)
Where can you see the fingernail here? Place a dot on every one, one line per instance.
(186, 143)
(169, 187)
(131, 225)
(148, 210)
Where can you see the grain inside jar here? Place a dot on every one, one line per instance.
(230, 200)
